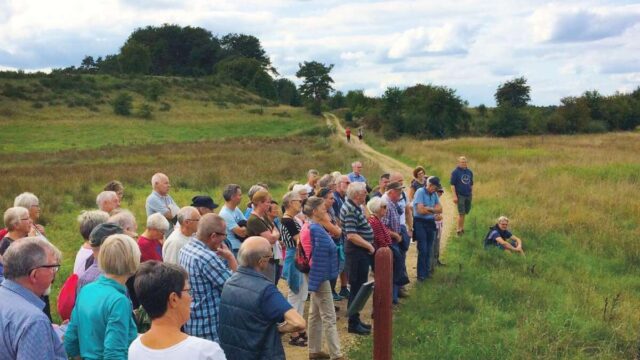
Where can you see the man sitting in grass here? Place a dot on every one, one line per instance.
(501, 237)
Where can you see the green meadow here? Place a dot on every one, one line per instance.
(574, 201)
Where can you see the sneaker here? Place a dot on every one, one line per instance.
(359, 330)
(337, 297)
(319, 355)
(366, 326)
(344, 292)
(403, 293)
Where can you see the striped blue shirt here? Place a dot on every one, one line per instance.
(207, 275)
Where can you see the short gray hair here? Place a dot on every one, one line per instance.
(311, 204)
(354, 188)
(209, 224)
(326, 180)
(298, 188)
(336, 176)
(12, 216)
(250, 256)
(157, 221)
(229, 191)
(119, 255)
(375, 204)
(26, 200)
(87, 220)
(26, 255)
(185, 213)
(124, 219)
(156, 178)
(254, 189)
(312, 172)
(104, 197)
(288, 197)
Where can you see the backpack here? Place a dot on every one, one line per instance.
(302, 262)
(488, 242)
(67, 297)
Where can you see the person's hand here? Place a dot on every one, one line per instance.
(224, 252)
(370, 249)
(438, 217)
(40, 228)
(455, 200)
(32, 232)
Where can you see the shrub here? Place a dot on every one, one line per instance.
(37, 105)
(145, 111)
(348, 117)
(258, 111)
(165, 106)
(122, 104)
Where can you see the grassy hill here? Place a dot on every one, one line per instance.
(210, 135)
(574, 201)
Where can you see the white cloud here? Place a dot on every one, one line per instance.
(446, 39)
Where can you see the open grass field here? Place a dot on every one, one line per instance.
(574, 201)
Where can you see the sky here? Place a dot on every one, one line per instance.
(562, 48)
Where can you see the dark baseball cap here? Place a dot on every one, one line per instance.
(103, 231)
(395, 186)
(203, 201)
(434, 180)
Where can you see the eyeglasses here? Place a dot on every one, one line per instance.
(270, 257)
(187, 290)
(26, 219)
(384, 206)
(221, 234)
(55, 268)
(194, 220)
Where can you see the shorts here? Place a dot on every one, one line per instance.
(464, 204)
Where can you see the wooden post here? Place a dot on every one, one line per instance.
(382, 294)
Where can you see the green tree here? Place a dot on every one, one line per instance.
(357, 98)
(433, 111)
(247, 73)
(246, 46)
(393, 121)
(122, 104)
(316, 83)
(507, 121)
(514, 92)
(482, 110)
(337, 101)
(287, 92)
(135, 58)
(88, 64)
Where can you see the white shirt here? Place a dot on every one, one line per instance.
(81, 259)
(191, 348)
(172, 246)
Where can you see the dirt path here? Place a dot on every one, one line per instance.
(388, 164)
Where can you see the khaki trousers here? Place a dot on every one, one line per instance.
(322, 316)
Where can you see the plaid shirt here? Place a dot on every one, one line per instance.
(207, 274)
(392, 218)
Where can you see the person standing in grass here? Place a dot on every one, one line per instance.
(312, 180)
(87, 221)
(425, 206)
(107, 201)
(500, 236)
(18, 224)
(462, 189)
(419, 180)
(150, 242)
(188, 218)
(30, 202)
(233, 217)
(159, 201)
(258, 224)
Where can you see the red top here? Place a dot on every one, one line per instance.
(381, 235)
(149, 249)
(348, 131)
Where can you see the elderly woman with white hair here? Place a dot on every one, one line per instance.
(87, 221)
(150, 242)
(18, 224)
(102, 325)
(108, 201)
(126, 220)
(30, 202)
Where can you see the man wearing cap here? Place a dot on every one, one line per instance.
(204, 204)
(462, 189)
(188, 218)
(236, 223)
(391, 220)
(425, 206)
(96, 238)
(159, 201)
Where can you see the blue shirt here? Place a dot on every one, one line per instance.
(157, 203)
(496, 233)
(356, 178)
(207, 275)
(231, 218)
(273, 304)
(25, 331)
(101, 325)
(462, 179)
(427, 199)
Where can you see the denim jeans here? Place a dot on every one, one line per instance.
(424, 233)
(358, 263)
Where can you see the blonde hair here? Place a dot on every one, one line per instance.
(119, 255)
(503, 218)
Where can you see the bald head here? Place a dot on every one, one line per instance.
(396, 177)
(252, 250)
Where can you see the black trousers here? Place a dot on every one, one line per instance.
(358, 263)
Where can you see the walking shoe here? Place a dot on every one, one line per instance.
(344, 292)
(366, 326)
(319, 355)
(403, 293)
(358, 330)
(337, 297)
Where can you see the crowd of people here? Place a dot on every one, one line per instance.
(200, 284)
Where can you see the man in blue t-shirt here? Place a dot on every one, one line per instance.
(233, 217)
(425, 207)
(462, 189)
(501, 237)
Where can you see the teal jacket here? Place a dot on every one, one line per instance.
(101, 325)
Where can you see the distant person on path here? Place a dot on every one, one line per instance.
(462, 189)
(107, 201)
(425, 206)
(253, 313)
(500, 236)
(360, 134)
(163, 291)
(356, 174)
(30, 268)
(209, 264)
(358, 248)
(150, 242)
(188, 217)
(348, 132)
(159, 201)
(236, 223)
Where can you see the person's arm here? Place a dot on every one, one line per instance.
(333, 230)
(240, 231)
(359, 241)
(224, 252)
(395, 236)
(518, 241)
(116, 336)
(37, 342)
(505, 244)
(426, 210)
(71, 340)
(293, 322)
(410, 194)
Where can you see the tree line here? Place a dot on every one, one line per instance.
(430, 111)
